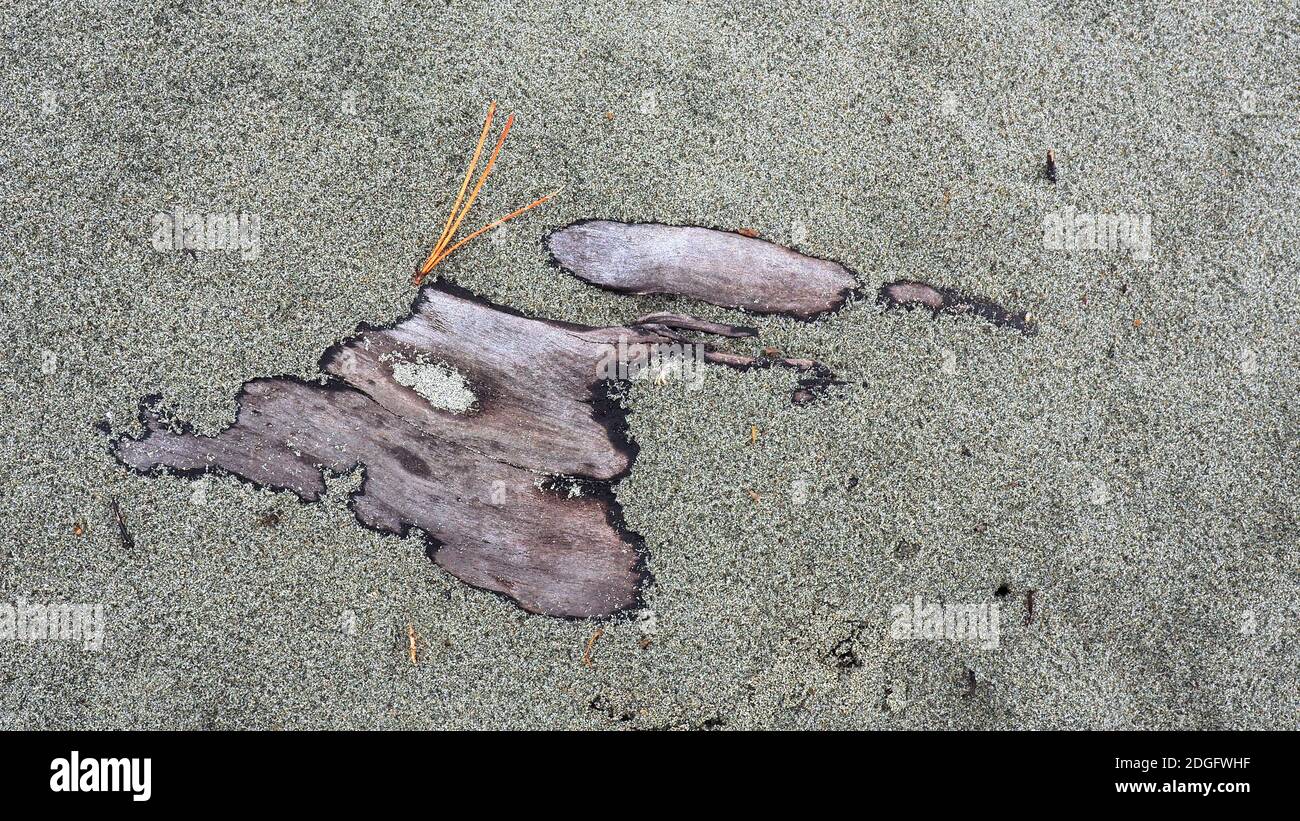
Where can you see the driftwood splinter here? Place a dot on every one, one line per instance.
(718, 267)
(909, 294)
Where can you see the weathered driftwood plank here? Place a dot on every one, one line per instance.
(718, 267)
(477, 477)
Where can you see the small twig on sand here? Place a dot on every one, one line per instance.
(411, 636)
(128, 541)
(591, 643)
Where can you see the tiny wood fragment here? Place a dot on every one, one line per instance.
(718, 267)
(910, 294)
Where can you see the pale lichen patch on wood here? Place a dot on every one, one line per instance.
(441, 385)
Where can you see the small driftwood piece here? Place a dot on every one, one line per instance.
(489, 485)
(909, 294)
(718, 267)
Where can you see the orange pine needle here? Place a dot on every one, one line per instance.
(469, 174)
(487, 169)
(530, 206)
(461, 207)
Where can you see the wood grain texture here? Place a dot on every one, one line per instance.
(718, 267)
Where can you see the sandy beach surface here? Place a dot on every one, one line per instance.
(1119, 490)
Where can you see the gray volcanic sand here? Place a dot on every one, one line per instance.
(1134, 463)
